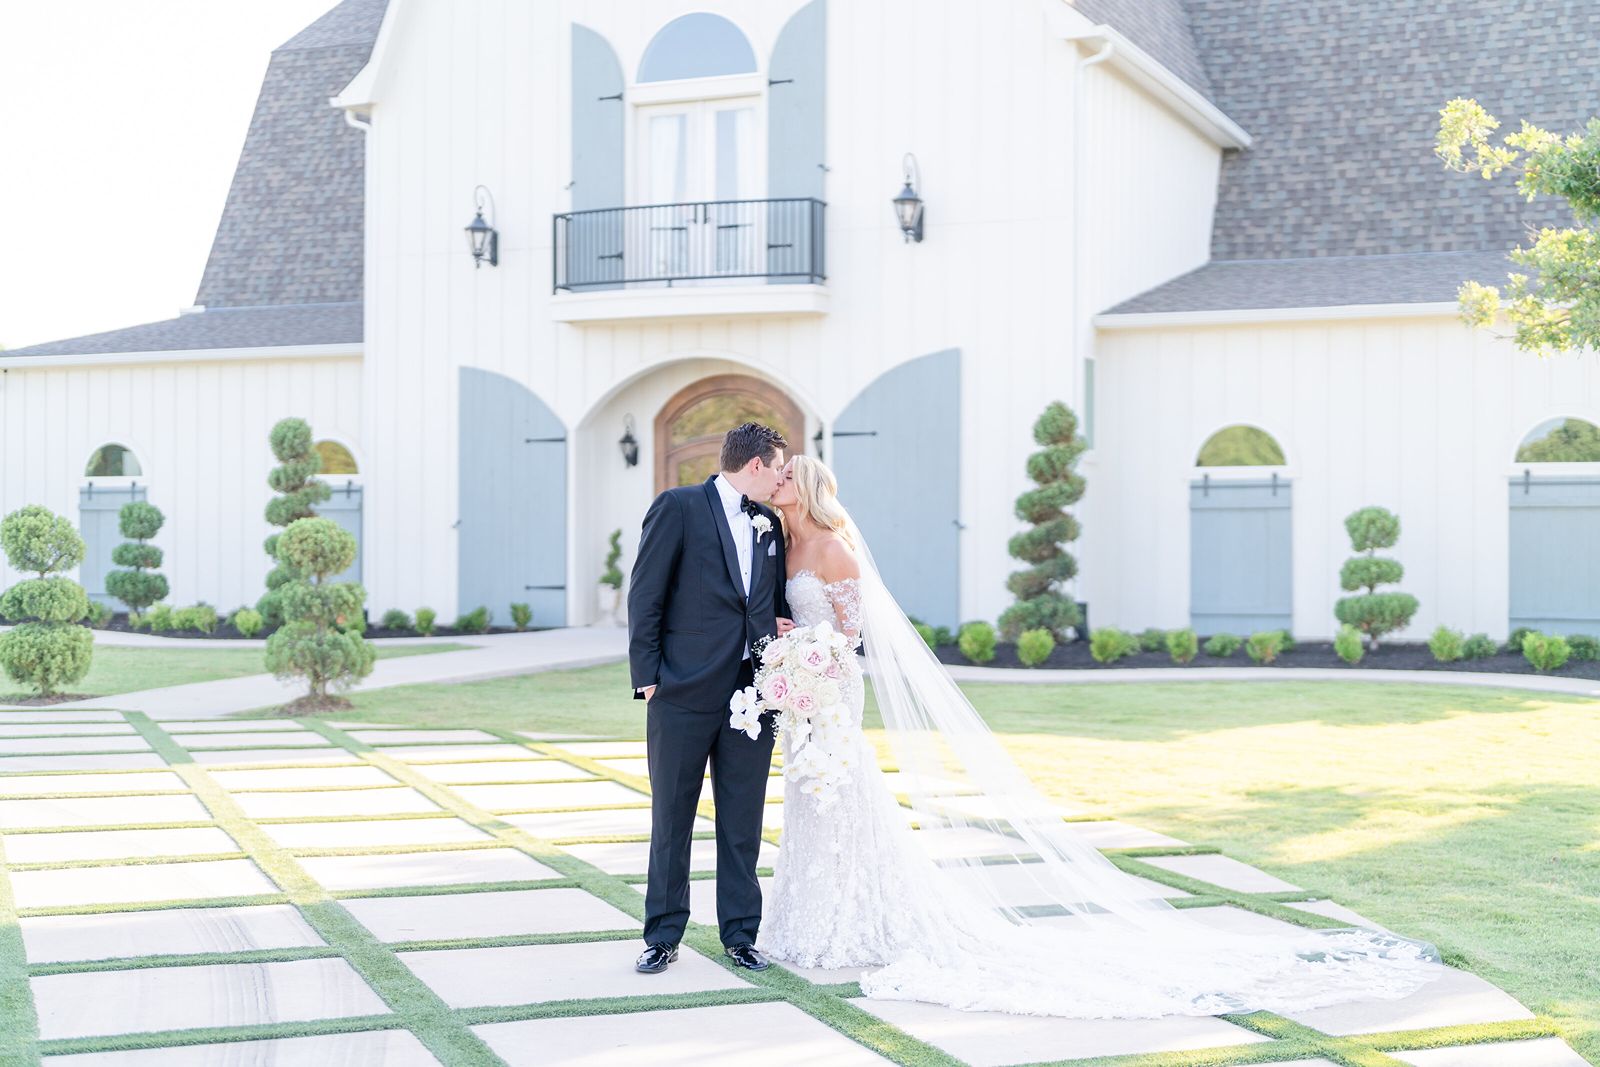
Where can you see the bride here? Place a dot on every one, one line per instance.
(993, 902)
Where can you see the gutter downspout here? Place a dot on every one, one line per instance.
(352, 119)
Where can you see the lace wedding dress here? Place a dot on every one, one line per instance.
(856, 888)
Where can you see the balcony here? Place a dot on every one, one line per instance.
(711, 257)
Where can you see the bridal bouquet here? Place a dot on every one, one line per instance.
(798, 678)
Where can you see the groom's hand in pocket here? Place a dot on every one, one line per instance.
(648, 691)
(784, 625)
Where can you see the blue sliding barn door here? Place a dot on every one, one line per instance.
(897, 452)
(796, 141)
(1241, 570)
(344, 508)
(1554, 571)
(512, 540)
(99, 521)
(594, 243)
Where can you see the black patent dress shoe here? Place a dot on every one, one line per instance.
(747, 956)
(654, 959)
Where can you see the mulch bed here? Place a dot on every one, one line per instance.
(1398, 656)
(34, 700)
(225, 630)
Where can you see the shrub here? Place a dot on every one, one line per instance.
(475, 621)
(320, 639)
(1348, 646)
(1288, 641)
(99, 614)
(1035, 646)
(248, 622)
(1514, 641)
(1584, 646)
(1264, 647)
(522, 615)
(612, 575)
(1222, 645)
(1446, 644)
(1545, 652)
(158, 619)
(1041, 604)
(1109, 644)
(425, 621)
(299, 491)
(943, 636)
(925, 632)
(395, 619)
(1479, 646)
(141, 585)
(1152, 640)
(202, 617)
(977, 640)
(45, 649)
(1182, 646)
(1372, 612)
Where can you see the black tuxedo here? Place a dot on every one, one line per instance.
(689, 627)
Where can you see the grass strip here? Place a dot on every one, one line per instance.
(193, 959)
(19, 1022)
(129, 861)
(418, 1006)
(154, 905)
(150, 1039)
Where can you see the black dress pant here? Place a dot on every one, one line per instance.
(680, 742)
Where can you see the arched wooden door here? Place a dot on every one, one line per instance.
(690, 427)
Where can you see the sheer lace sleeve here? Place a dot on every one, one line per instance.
(845, 596)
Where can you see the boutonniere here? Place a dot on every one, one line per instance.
(763, 526)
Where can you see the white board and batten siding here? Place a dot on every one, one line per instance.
(1419, 415)
(982, 93)
(200, 433)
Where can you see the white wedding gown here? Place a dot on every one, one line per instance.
(855, 888)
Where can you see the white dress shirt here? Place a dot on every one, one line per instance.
(739, 525)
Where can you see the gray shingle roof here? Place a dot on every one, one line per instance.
(291, 231)
(1160, 27)
(1321, 281)
(240, 327)
(1342, 101)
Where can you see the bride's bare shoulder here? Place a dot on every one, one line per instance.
(837, 562)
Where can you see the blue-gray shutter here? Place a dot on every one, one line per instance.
(344, 508)
(1554, 570)
(512, 541)
(897, 453)
(796, 142)
(1241, 571)
(594, 242)
(99, 521)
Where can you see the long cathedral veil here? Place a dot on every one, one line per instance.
(1005, 848)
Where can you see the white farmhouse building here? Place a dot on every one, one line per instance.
(1178, 216)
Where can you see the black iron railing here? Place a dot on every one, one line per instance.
(656, 244)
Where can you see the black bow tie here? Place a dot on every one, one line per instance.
(749, 507)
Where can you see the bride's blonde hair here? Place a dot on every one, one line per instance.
(817, 491)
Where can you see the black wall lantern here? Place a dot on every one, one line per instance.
(629, 443)
(908, 205)
(484, 237)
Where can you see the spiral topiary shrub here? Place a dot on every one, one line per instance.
(45, 649)
(320, 639)
(1040, 602)
(612, 575)
(141, 585)
(1372, 612)
(299, 491)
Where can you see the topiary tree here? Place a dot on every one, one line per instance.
(1372, 612)
(45, 649)
(299, 490)
(320, 639)
(1040, 602)
(140, 586)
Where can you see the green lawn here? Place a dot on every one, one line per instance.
(123, 669)
(1464, 816)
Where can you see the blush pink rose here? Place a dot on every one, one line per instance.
(776, 688)
(832, 670)
(813, 657)
(804, 703)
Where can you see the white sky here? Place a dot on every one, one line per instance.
(120, 124)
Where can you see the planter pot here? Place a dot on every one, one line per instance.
(608, 605)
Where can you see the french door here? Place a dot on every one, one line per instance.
(698, 165)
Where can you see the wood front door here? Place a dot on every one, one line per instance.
(690, 427)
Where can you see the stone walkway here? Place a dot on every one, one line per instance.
(178, 891)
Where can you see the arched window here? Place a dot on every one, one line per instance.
(112, 461)
(336, 459)
(690, 428)
(1561, 441)
(1240, 446)
(700, 45)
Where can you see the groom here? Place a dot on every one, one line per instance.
(707, 583)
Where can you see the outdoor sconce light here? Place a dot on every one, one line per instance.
(816, 442)
(484, 237)
(908, 205)
(629, 444)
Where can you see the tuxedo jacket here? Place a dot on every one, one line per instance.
(689, 622)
